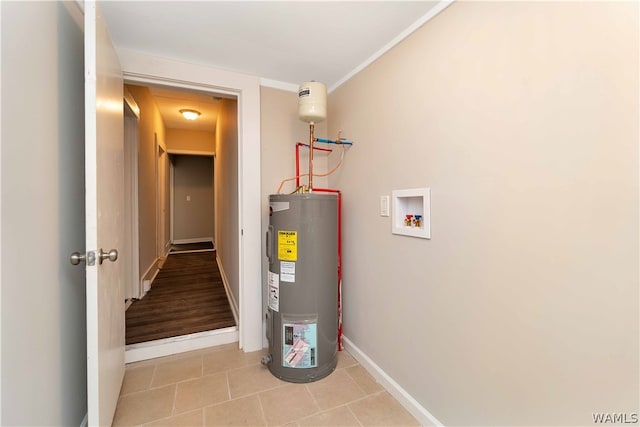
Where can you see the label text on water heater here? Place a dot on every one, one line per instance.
(287, 245)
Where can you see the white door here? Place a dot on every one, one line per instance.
(104, 173)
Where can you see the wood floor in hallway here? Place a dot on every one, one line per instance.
(186, 297)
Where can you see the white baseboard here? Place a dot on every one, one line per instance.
(175, 345)
(152, 271)
(230, 297)
(406, 400)
(196, 240)
(85, 421)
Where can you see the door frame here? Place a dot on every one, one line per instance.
(161, 194)
(141, 68)
(131, 108)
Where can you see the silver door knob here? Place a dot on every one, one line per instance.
(112, 255)
(77, 257)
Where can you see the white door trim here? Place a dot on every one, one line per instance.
(0, 232)
(172, 211)
(132, 145)
(139, 67)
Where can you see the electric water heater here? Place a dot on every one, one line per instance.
(302, 286)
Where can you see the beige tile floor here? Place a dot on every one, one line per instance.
(222, 386)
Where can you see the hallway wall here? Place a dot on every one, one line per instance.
(522, 117)
(150, 123)
(226, 193)
(193, 179)
(191, 140)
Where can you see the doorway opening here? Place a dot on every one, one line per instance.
(182, 201)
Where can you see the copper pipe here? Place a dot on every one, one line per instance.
(311, 141)
(298, 145)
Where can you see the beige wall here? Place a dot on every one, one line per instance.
(226, 193)
(191, 140)
(150, 123)
(523, 119)
(193, 179)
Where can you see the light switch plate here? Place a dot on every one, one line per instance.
(384, 205)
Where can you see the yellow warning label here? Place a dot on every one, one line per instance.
(287, 245)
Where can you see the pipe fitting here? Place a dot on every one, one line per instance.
(266, 360)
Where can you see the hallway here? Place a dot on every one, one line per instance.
(224, 386)
(186, 297)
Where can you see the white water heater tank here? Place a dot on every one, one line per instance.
(312, 102)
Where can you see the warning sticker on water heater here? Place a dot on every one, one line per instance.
(299, 345)
(288, 271)
(287, 245)
(274, 292)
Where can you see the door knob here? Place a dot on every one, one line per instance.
(112, 255)
(76, 258)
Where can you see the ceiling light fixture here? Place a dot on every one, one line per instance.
(190, 114)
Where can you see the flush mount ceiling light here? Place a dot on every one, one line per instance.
(190, 114)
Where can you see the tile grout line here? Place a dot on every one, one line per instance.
(317, 411)
(357, 383)
(320, 410)
(354, 415)
(153, 376)
(226, 375)
(342, 405)
(247, 395)
(315, 401)
(264, 416)
(175, 396)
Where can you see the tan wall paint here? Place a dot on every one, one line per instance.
(150, 123)
(226, 193)
(522, 117)
(193, 178)
(191, 140)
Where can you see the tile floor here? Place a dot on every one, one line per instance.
(222, 386)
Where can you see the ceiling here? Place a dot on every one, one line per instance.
(286, 42)
(170, 102)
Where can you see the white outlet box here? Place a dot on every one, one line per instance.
(412, 202)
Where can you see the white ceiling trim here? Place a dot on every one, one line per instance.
(293, 87)
(277, 84)
(442, 5)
